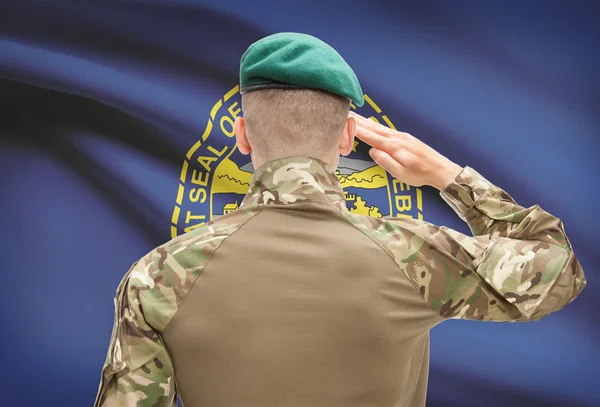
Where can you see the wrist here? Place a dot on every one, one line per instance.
(445, 175)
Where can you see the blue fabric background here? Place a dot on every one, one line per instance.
(100, 101)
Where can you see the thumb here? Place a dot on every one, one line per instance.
(386, 161)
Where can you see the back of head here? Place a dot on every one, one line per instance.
(294, 122)
(296, 92)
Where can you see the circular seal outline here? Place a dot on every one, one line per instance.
(397, 186)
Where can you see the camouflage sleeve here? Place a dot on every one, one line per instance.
(138, 370)
(522, 266)
(519, 266)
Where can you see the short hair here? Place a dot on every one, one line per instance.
(294, 122)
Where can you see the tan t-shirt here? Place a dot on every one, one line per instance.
(292, 300)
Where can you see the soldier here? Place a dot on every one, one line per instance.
(292, 300)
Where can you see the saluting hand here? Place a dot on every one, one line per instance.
(405, 157)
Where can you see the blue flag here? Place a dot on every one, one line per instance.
(117, 135)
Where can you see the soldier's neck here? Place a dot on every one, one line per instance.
(331, 160)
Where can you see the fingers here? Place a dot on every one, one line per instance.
(370, 125)
(384, 160)
(376, 127)
(379, 136)
(372, 138)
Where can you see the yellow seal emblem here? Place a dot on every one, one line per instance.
(215, 176)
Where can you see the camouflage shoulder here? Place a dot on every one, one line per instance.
(165, 275)
(398, 237)
(424, 253)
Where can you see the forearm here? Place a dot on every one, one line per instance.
(489, 210)
(529, 259)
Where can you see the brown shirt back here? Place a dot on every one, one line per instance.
(300, 308)
(293, 300)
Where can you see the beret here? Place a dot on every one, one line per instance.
(292, 61)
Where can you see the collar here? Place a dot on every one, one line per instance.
(295, 179)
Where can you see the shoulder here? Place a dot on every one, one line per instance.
(208, 236)
(164, 276)
(410, 243)
(392, 235)
(388, 231)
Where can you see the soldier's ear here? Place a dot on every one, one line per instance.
(351, 123)
(347, 139)
(241, 137)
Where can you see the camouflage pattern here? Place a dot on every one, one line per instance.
(530, 259)
(519, 266)
(138, 370)
(295, 179)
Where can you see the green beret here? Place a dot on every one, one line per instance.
(293, 60)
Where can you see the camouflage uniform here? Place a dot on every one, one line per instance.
(519, 266)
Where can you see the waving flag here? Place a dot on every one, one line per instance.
(117, 135)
